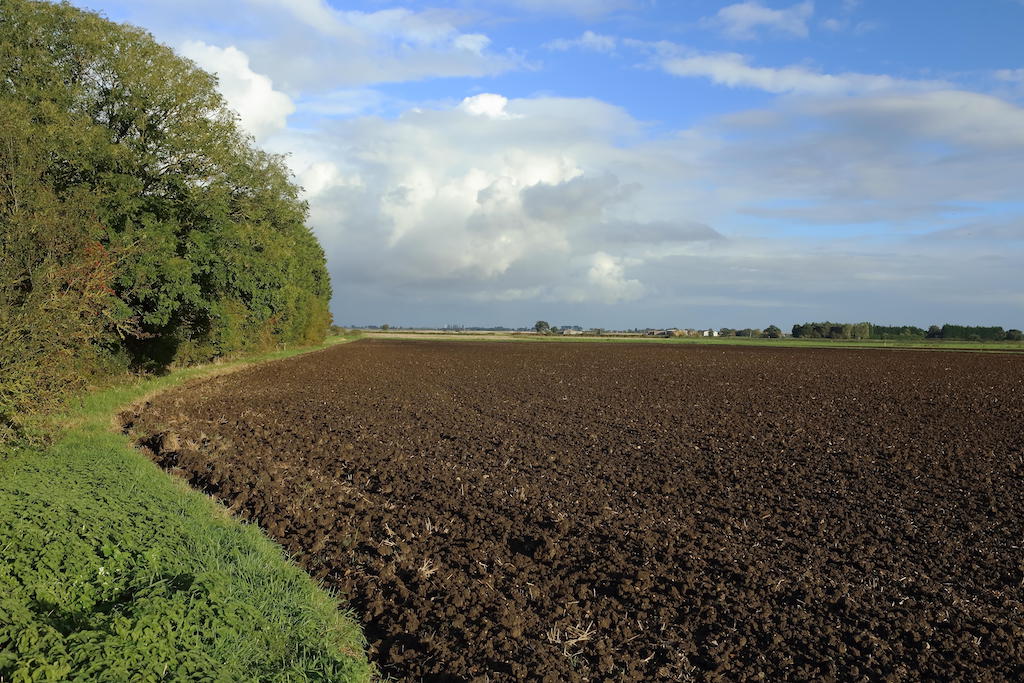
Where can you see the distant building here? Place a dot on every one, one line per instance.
(570, 332)
(710, 333)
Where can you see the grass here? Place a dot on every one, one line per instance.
(921, 344)
(113, 570)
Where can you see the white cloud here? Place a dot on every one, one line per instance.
(499, 199)
(494, 205)
(890, 158)
(608, 282)
(734, 70)
(472, 42)
(742, 21)
(486, 104)
(262, 110)
(957, 118)
(309, 45)
(589, 40)
(562, 202)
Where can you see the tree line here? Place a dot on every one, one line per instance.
(139, 226)
(830, 330)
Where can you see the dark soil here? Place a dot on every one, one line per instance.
(500, 511)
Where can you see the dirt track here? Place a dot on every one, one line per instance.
(593, 511)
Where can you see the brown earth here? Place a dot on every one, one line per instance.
(500, 511)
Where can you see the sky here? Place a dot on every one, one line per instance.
(638, 163)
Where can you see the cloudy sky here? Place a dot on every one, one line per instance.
(635, 163)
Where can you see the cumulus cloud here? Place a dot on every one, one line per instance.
(743, 21)
(567, 203)
(735, 71)
(607, 280)
(579, 197)
(496, 198)
(486, 104)
(589, 40)
(262, 110)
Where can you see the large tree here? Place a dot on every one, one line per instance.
(138, 223)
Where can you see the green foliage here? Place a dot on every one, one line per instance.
(772, 332)
(542, 327)
(113, 571)
(137, 222)
(1014, 335)
(973, 333)
(827, 330)
(830, 330)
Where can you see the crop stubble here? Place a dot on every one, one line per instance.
(638, 512)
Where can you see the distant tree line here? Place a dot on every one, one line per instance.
(830, 330)
(770, 332)
(139, 226)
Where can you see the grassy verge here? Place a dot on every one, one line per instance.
(111, 570)
(919, 344)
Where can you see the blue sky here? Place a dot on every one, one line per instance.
(634, 163)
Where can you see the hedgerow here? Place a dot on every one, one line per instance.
(139, 226)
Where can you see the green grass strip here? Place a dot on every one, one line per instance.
(112, 570)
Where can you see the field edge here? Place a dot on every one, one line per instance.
(788, 342)
(116, 568)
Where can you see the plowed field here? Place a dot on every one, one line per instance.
(635, 512)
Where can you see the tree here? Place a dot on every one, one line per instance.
(1014, 335)
(138, 223)
(772, 332)
(861, 331)
(934, 332)
(542, 327)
